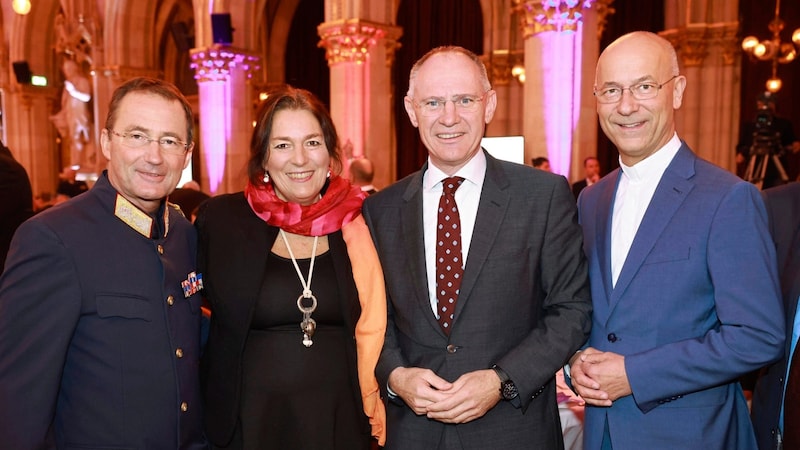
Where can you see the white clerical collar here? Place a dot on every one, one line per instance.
(652, 167)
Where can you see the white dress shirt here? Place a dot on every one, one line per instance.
(637, 185)
(467, 196)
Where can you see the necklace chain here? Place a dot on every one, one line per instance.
(308, 325)
(306, 284)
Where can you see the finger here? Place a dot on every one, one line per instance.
(598, 402)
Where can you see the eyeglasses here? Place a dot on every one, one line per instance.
(434, 106)
(138, 139)
(640, 91)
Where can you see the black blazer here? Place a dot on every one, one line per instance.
(16, 199)
(783, 208)
(577, 187)
(232, 255)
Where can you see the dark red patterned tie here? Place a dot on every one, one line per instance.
(448, 253)
(791, 405)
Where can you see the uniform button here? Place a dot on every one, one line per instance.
(160, 249)
(612, 337)
(184, 406)
(452, 348)
(179, 353)
(170, 300)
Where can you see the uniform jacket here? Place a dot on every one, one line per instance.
(696, 305)
(99, 348)
(523, 304)
(783, 208)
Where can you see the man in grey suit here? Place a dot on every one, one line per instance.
(479, 374)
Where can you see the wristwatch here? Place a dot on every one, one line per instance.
(508, 390)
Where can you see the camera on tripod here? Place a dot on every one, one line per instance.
(766, 139)
(766, 146)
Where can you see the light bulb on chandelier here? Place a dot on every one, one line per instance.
(21, 7)
(773, 49)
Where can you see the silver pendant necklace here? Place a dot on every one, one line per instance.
(308, 325)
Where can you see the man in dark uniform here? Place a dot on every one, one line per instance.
(99, 304)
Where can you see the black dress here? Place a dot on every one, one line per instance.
(298, 397)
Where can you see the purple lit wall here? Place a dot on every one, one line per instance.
(215, 128)
(561, 62)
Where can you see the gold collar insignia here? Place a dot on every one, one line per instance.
(133, 216)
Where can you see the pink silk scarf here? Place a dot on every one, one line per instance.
(339, 206)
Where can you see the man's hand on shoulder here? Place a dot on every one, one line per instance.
(418, 387)
(469, 398)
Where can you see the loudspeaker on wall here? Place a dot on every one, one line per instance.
(22, 71)
(222, 31)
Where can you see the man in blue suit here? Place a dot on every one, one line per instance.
(99, 303)
(783, 208)
(682, 270)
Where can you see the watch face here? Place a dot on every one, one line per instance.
(509, 390)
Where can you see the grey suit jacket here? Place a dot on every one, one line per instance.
(524, 304)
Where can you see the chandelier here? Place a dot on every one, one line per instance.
(773, 49)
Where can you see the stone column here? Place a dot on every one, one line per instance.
(27, 137)
(709, 118)
(360, 54)
(222, 74)
(555, 82)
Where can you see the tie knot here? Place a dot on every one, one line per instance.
(449, 185)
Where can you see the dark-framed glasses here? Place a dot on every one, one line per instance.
(137, 139)
(433, 106)
(640, 91)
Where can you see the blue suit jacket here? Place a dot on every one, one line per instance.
(696, 305)
(783, 207)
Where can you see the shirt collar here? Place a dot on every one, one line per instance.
(473, 171)
(652, 167)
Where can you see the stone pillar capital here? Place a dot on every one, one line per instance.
(695, 42)
(537, 16)
(214, 63)
(604, 9)
(351, 40)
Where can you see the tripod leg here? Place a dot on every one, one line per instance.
(748, 173)
(779, 166)
(762, 170)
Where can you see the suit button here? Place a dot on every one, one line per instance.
(160, 249)
(179, 353)
(184, 406)
(170, 300)
(612, 337)
(452, 348)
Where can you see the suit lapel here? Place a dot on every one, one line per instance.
(413, 235)
(672, 190)
(491, 210)
(790, 280)
(604, 213)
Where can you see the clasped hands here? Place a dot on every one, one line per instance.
(466, 399)
(599, 377)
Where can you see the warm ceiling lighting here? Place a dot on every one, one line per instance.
(773, 49)
(21, 7)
